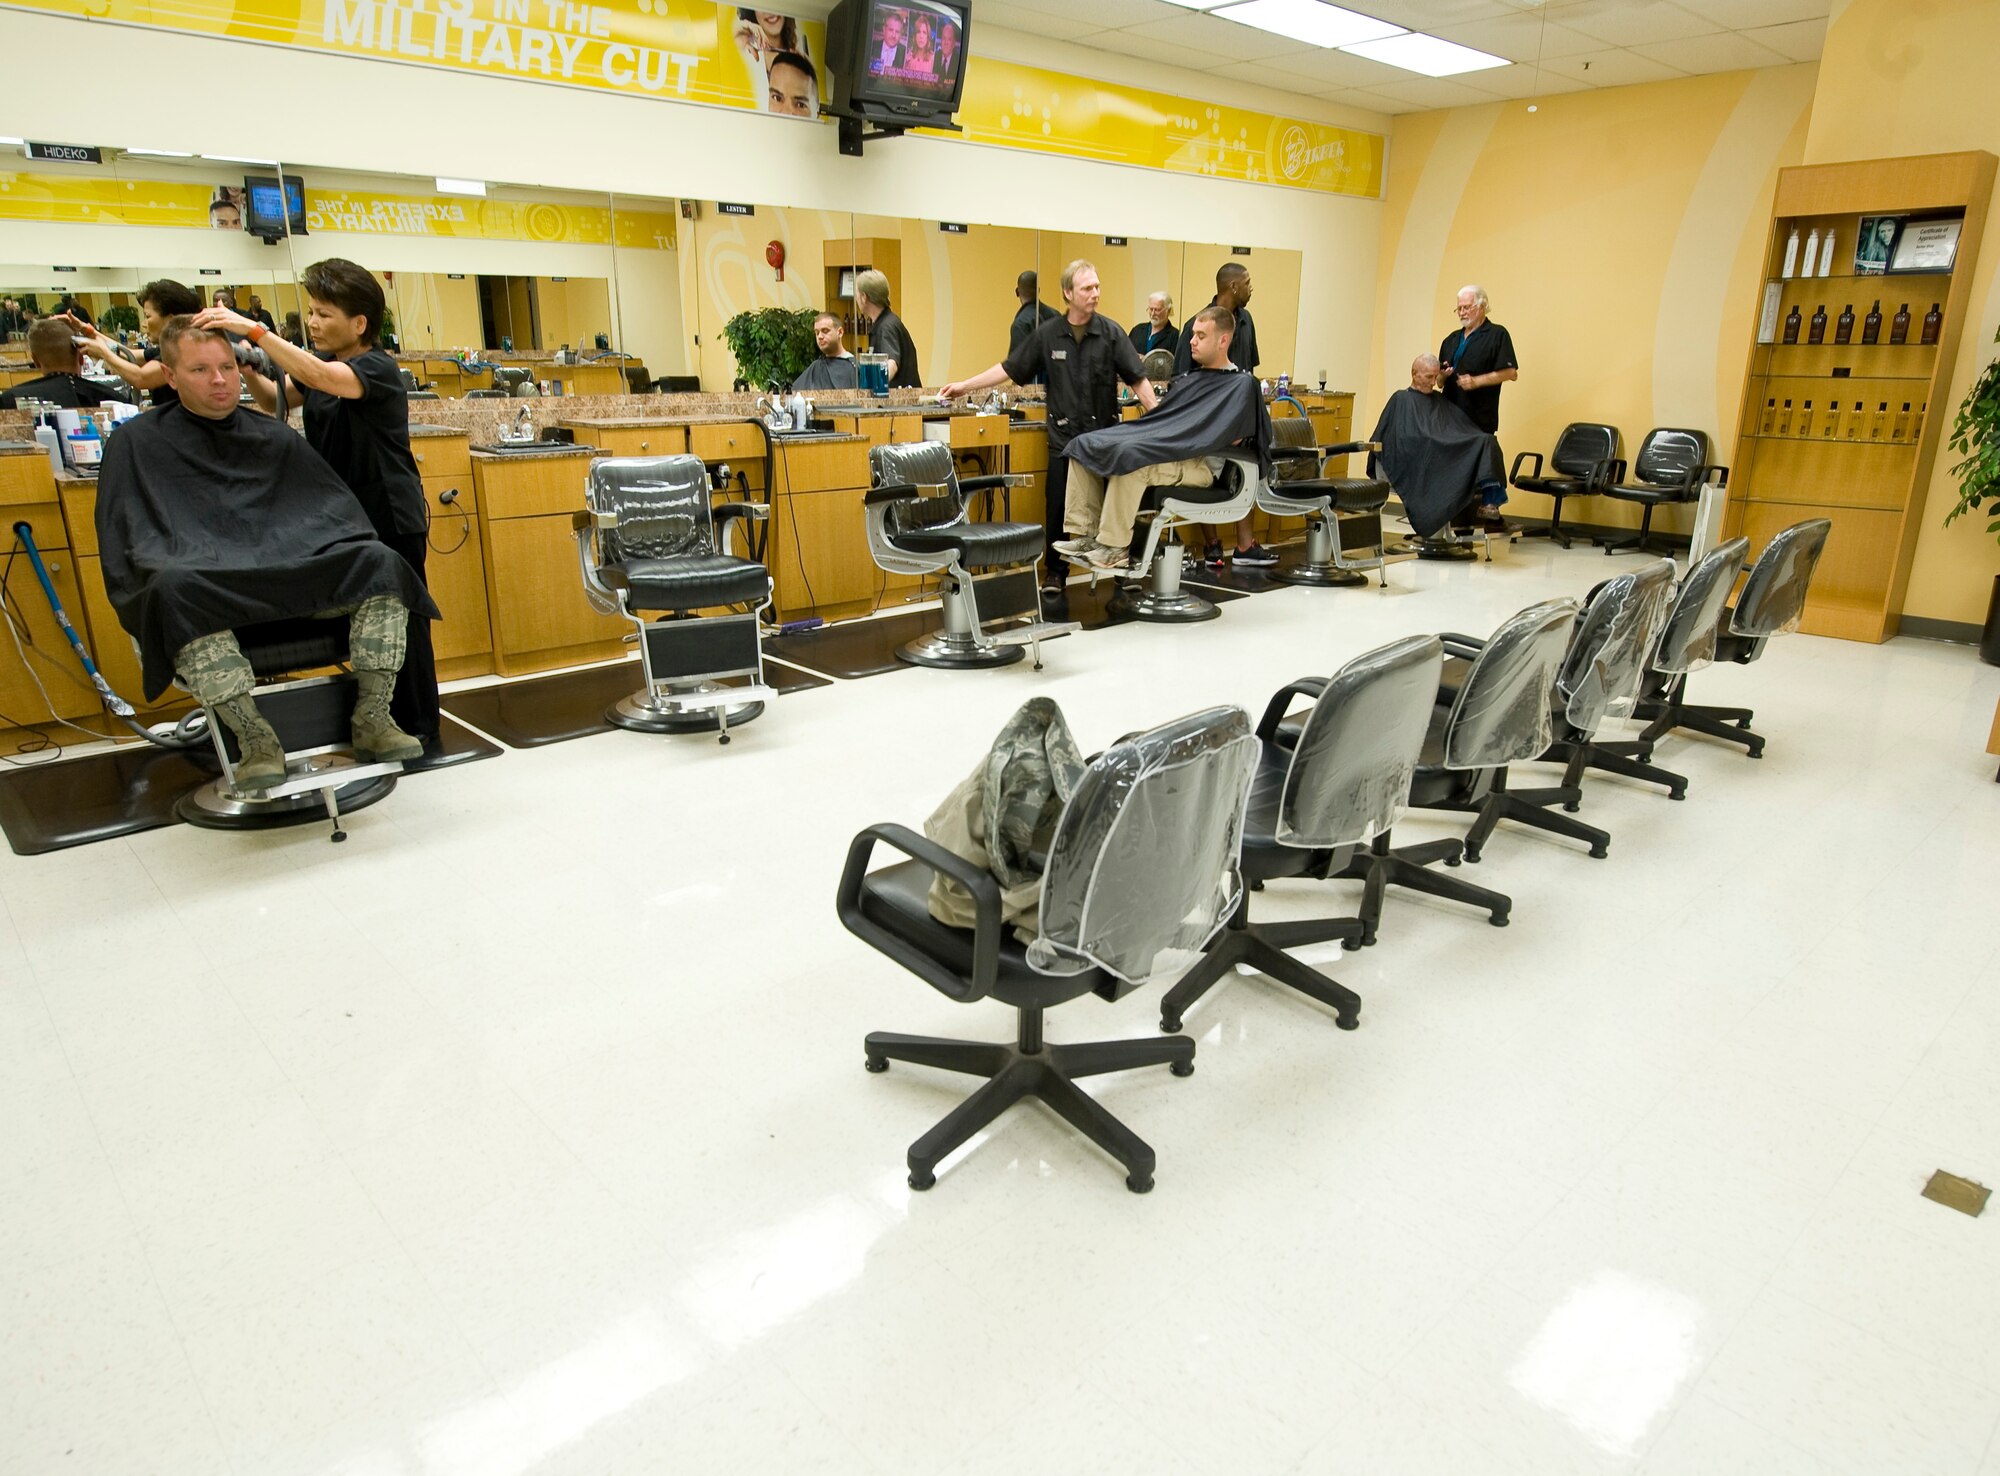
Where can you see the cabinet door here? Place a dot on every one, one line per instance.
(455, 569)
(537, 590)
(819, 552)
(48, 649)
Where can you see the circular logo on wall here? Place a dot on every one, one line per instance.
(1297, 153)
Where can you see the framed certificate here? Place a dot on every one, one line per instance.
(1926, 246)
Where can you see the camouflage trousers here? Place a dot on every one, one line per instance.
(214, 668)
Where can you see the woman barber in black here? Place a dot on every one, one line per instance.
(358, 419)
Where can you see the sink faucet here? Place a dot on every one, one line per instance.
(523, 428)
(996, 402)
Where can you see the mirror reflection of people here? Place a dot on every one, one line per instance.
(1477, 358)
(159, 301)
(792, 86)
(294, 331)
(225, 211)
(69, 304)
(260, 313)
(358, 418)
(211, 517)
(886, 334)
(1158, 331)
(52, 346)
(835, 368)
(13, 318)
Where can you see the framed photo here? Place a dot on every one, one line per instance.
(1926, 246)
(1875, 243)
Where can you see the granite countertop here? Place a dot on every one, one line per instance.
(70, 474)
(543, 450)
(642, 422)
(21, 448)
(419, 429)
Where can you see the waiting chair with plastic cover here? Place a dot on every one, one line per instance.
(1580, 465)
(1672, 466)
(1492, 714)
(654, 549)
(1601, 677)
(1142, 869)
(1340, 512)
(1340, 781)
(1161, 596)
(919, 522)
(1772, 603)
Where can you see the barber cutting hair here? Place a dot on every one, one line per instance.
(158, 301)
(52, 345)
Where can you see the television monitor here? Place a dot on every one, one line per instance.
(898, 60)
(272, 209)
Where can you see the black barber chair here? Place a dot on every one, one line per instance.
(1340, 781)
(1142, 867)
(1772, 603)
(313, 716)
(1580, 465)
(1162, 597)
(1672, 466)
(1341, 513)
(651, 543)
(918, 523)
(516, 383)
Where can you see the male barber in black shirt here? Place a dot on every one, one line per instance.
(358, 419)
(1477, 358)
(1084, 356)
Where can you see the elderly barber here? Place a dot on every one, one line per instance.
(1084, 355)
(358, 418)
(1158, 331)
(1475, 359)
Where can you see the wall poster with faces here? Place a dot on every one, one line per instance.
(784, 56)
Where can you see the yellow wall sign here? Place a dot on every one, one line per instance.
(82, 200)
(371, 213)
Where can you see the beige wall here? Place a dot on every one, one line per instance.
(1618, 234)
(1915, 77)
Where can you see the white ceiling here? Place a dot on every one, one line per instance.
(1553, 45)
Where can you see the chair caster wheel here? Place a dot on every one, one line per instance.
(1352, 945)
(1169, 1026)
(1347, 1022)
(1454, 860)
(1744, 724)
(1182, 1068)
(723, 740)
(1677, 794)
(1472, 856)
(1572, 806)
(1139, 1183)
(877, 1063)
(1756, 753)
(1598, 853)
(1256, 886)
(922, 1179)
(339, 836)
(1498, 920)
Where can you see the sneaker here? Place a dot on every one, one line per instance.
(1256, 556)
(1212, 555)
(1109, 560)
(1078, 547)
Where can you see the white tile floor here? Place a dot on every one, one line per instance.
(526, 1133)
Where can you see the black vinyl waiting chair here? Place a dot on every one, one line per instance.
(1772, 603)
(654, 549)
(1341, 779)
(920, 522)
(1580, 465)
(1672, 466)
(1142, 867)
(1341, 513)
(1601, 676)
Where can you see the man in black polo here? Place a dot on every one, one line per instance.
(1085, 356)
(1476, 359)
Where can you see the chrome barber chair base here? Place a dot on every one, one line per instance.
(1451, 553)
(708, 708)
(1324, 576)
(952, 652)
(1179, 608)
(308, 794)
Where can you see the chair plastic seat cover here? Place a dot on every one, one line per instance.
(691, 581)
(1668, 468)
(1688, 640)
(978, 545)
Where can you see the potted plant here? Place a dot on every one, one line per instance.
(118, 320)
(772, 345)
(1976, 433)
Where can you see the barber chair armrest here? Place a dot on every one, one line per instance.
(588, 520)
(1715, 473)
(753, 511)
(1350, 448)
(746, 513)
(970, 485)
(1297, 453)
(1464, 646)
(986, 928)
(903, 492)
(1281, 703)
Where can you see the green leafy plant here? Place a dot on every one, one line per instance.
(120, 318)
(771, 344)
(1977, 434)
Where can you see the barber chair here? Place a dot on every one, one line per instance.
(1341, 513)
(1672, 465)
(1579, 466)
(518, 384)
(918, 523)
(313, 717)
(413, 385)
(1142, 867)
(1162, 597)
(1159, 366)
(1601, 677)
(487, 394)
(1772, 603)
(1341, 780)
(650, 543)
(1492, 716)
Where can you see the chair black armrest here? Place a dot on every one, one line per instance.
(1297, 453)
(994, 479)
(1466, 646)
(902, 492)
(1349, 448)
(1514, 471)
(1607, 471)
(1717, 474)
(1281, 704)
(985, 900)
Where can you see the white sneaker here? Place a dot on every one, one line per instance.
(1109, 560)
(1077, 547)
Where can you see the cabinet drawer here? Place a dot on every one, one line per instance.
(636, 440)
(968, 431)
(441, 456)
(26, 479)
(732, 442)
(1027, 450)
(530, 487)
(819, 467)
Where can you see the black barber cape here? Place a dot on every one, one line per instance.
(1434, 456)
(207, 525)
(1205, 413)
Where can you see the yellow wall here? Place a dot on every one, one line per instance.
(1900, 77)
(1618, 234)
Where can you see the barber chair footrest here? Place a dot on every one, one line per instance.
(298, 800)
(1441, 551)
(690, 711)
(1035, 630)
(1321, 576)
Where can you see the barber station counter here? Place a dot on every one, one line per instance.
(453, 380)
(17, 371)
(28, 494)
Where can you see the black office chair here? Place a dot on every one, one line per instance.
(1601, 678)
(1579, 466)
(1672, 466)
(1340, 780)
(1493, 715)
(650, 543)
(1142, 866)
(919, 523)
(1772, 603)
(1340, 512)
(1161, 597)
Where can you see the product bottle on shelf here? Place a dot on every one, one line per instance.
(1770, 413)
(1817, 333)
(1806, 425)
(1843, 331)
(1826, 254)
(1899, 326)
(1792, 254)
(1831, 428)
(1792, 325)
(1880, 423)
(1917, 421)
(1900, 431)
(1871, 326)
(1812, 254)
(1785, 419)
(1855, 420)
(1933, 320)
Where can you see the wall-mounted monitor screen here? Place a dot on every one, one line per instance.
(272, 209)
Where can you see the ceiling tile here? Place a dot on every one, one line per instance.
(1355, 97)
(1801, 41)
(1206, 42)
(1723, 52)
(1611, 69)
(1520, 38)
(1631, 22)
(1278, 84)
(1523, 81)
(1428, 15)
(1034, 22)
(1329, 69)
(1100, 15)
(1745, 15)
(1430, 92)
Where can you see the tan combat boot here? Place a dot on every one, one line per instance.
(262, 763)
(377, 739)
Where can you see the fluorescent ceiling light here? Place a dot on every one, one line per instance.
(450, 186)
(1416, 52)
(160, 153)
(233, 159)
(1310, 21)
(18, 143)
(1197, 4)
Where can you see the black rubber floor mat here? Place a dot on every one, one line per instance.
(1243, 578)
(74, 802)
(571, 704)
(1089, 605)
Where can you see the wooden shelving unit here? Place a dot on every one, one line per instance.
(1863, 455)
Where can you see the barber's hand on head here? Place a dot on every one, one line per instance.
(226, 320)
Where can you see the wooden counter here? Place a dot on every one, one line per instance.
(28, 494)
(534, 584)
